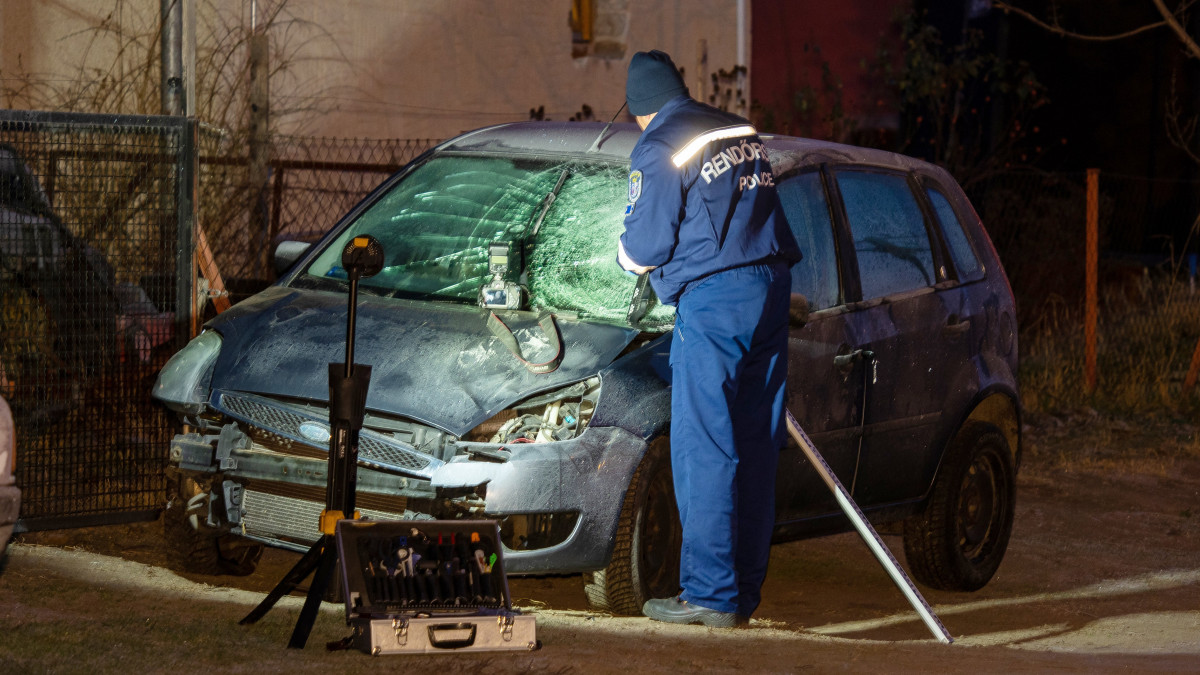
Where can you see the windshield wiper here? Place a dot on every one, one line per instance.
(548, 201)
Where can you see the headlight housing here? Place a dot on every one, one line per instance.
(554, 416)
(183, 382)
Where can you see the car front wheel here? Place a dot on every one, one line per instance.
(957, 543)
(645, 560)
(195, 548)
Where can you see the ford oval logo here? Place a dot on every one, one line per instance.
(315, 432)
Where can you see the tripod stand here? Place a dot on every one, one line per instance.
(348, 383)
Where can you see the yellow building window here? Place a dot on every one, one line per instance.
(582, 19)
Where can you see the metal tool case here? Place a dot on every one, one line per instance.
(428, 586)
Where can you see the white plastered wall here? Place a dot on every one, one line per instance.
(413, 68)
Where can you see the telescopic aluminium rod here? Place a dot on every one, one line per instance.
(867, 532)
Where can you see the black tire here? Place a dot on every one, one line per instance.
(201, 550)
(957, 543)
(645, 560)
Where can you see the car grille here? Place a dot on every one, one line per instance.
(374, 449)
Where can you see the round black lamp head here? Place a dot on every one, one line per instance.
(363, 256)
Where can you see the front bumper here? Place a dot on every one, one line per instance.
(10, 507)
(277, 498)
(588, 475)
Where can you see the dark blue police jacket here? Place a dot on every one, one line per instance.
(701, 198)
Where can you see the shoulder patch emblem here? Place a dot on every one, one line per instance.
(635, 186)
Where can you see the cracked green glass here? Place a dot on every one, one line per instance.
(436, 223)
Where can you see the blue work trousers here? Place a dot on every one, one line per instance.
(728, 371)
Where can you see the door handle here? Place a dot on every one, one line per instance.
(845, 361)
(954, 326)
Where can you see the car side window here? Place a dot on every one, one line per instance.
(19, 190)
(889, 233)
(807, 211)
(960, 246)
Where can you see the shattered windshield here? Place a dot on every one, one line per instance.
(437, 222)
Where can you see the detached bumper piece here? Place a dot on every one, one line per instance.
(429, 586)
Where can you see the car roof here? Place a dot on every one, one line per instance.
(558, 138)
(578, 138)
(790, 152)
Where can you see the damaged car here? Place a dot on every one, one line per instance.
(553, 418)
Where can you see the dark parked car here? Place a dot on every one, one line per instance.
(64, 313)
(10, 494)
(903, 368)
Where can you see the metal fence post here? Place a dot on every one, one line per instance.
(1091, 309)
(187, 170)
(260, 150)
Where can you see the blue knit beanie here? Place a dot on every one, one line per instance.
(653, 80)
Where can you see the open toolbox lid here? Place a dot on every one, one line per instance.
(439, 567)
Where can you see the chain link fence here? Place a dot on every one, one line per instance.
(98, 282)
(89, 264)
(297, 189)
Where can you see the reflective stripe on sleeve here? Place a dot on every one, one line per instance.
(680, 158)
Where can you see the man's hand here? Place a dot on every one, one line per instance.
(627, 263)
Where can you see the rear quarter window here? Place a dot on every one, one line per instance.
(965, 260)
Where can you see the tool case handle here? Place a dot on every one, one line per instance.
(451, 635)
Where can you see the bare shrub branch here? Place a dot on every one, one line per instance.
(1053, 26)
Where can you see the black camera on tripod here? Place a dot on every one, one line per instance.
(501, 292)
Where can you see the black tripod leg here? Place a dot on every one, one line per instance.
(316, 592)
(288, 583)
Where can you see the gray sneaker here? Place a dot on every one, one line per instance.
(674, 610)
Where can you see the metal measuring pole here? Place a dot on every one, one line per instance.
(867, 532)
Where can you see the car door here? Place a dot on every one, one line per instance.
(824, 380)
(905, 319)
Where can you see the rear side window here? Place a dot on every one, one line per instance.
(960, 247)
(889, 233)
(807, 211)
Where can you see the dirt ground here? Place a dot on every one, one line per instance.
(1102, 575)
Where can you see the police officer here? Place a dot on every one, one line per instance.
(704, 221)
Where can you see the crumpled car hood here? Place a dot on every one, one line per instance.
(432, 362)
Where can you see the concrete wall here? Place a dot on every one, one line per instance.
(45, 45)
(403, 68)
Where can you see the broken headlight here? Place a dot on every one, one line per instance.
(183, 382)
(555, 416)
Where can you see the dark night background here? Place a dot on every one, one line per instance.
(1109, 100)
(1107, 107)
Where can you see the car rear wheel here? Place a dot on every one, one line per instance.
(645, 560)
(957, 543)
(194, 547)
